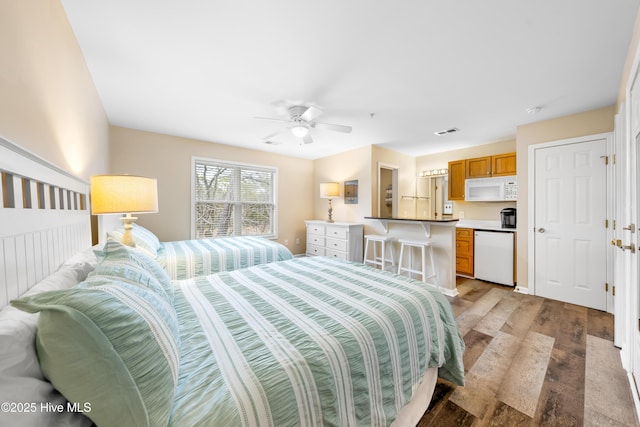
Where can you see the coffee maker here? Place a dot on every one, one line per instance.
(508, 217)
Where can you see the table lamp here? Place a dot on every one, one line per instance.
(330, 190)
(124, 194)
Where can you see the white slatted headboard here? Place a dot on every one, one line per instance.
(44, 219)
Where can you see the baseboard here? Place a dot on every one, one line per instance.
(449, 292)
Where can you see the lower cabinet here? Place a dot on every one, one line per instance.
(464, 252)
(341, 240)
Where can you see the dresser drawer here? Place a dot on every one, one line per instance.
(336, 254)
(314, 239)
(336, 244)
(315, 250)
(315, 229)
(337, 232)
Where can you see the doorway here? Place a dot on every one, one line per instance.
(568, 211)
(387, 191)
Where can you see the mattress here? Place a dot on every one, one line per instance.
(308, 342)
(190, 258)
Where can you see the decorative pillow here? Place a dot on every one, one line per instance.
(110, 347)
(119, 261)
(145, 239)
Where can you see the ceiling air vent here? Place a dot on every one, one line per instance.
(447, 131)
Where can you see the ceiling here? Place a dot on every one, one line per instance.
(396, 71)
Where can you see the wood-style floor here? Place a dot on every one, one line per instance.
(532, 361)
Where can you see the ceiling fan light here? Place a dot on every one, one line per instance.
(299, 130)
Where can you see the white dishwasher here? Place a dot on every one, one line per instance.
(493, 257)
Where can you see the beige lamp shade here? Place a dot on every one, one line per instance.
(329, 190)
(123, 194)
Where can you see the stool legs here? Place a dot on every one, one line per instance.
(423, 259)
(384, 258)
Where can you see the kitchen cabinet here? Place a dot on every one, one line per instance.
(480, 167)
(456, 180)
(341, 240)
(503, 164)
(464, 252)
(498, 165)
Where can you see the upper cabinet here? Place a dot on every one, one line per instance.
(479, 167)
(456, 180)
(503, 164)
(499, 165)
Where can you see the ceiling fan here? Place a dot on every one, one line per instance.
(300, 120)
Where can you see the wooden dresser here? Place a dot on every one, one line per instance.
(464, 252)
(342, 240)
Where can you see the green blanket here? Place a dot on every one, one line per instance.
(185, 259)
(308, 342)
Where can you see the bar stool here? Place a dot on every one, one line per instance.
(381, 261)
(425, 249)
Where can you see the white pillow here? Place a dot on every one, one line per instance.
(21, 380)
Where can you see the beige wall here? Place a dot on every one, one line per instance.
(49, 104)
(582, 124)
(168, 158)
(406, 179)
(470, 210)
(352, 164)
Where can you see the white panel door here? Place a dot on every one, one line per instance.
(570, 213)
(631, 217)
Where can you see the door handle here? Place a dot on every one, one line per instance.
(541, 230)
(631, 247)
(631, 228)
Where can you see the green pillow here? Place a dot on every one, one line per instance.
(145, 239)
(110, 346)
(120, 261)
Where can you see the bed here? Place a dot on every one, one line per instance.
(185, 259)
(105, 335)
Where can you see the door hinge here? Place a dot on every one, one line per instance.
(613, 290)
(606, 287)
(606, 159)
(614, 159)
(614, 224)
(606, 223)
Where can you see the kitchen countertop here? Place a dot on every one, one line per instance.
(411, 219)
(477, 224)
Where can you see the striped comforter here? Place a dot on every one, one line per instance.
(308, 342)
(190, 258)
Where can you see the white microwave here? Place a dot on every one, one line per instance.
(496, 189)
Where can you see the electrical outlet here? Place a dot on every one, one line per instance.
(286, 242)
(461, 214)
(297, 240)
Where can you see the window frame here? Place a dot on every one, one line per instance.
(237, 212)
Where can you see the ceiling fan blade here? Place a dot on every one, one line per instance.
(330, 126)
(272, 118)
(271, 135)
(311, 113)
(307, 139)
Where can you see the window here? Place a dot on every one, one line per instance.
(233, 199)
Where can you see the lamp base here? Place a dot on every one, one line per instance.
(127, 236)
(330, 212)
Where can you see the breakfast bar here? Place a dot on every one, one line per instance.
(441, 233)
